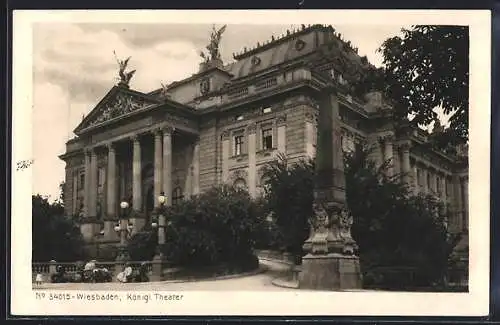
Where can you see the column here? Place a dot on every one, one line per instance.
(416, 179)
(111, 182)
(443, 192)
(75, 193)
(389, 155)
(251, 160)
(457, 203)
(136, 174)
(226, 151)
(405, 148)
(196, 167)
(86, 195)
(111, 194)
(188, 184)
(167, 164)
(158, 162)
(93, 184)
(465, 204)
(281, 134)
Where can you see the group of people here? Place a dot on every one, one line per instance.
(90, 273)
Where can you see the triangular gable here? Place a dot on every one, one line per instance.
(117, 102)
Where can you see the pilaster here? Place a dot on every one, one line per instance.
(252, 172)
(226, 148)
(281, 125)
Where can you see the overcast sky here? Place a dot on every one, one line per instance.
(74, 67)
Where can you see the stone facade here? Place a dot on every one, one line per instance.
(222, 124)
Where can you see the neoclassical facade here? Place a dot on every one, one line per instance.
(224, 123)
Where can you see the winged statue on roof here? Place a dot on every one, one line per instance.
(123, 74)
(213, 46)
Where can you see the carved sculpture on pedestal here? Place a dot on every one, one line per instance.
(331, 262)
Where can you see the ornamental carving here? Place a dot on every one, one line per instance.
(320, 222)
(225, 135)
(281, 119)
(122, 104)
(252, 128)
(205, 86)
(256, 60)
(299, 45)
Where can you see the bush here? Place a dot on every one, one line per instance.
(216, 227)
(142, 245)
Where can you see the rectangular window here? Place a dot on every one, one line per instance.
(266, 110)
(238, 145)
(267, 139)
(438, 185)
(419, 177)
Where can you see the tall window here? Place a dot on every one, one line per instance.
(438, 185)
(267, 139)
(81, 181)
(177, 196)
(419, 176)
(238, 145)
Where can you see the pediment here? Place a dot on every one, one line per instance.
(117, 103)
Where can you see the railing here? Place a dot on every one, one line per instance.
(266, 84)
(238, 93)
(48, 268)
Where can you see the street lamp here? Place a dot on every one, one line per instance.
(124, 229)
(160, 225)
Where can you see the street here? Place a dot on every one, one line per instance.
(257, 282)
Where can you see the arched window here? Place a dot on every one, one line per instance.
(240, 183)
(177, 195)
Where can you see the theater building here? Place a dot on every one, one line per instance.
(224, 123)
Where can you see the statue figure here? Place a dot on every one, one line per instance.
(321, 220)
(124, 76)
(213, 46)
(164, 90)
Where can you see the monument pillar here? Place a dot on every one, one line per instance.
(331, 262)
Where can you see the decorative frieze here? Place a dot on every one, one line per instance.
(120, 105)
(252, 128)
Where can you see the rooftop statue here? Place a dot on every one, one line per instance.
(124, 76)
(213, 46)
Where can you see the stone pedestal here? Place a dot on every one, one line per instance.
(158, 264)
(330, 272)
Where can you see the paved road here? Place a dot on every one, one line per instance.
(257, 282)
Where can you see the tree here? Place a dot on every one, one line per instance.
(216, 227)
(289, 196)
(55, 236)
(395, 228)
(392, 227)
(426, 68)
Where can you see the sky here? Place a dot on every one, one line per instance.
(74, 67)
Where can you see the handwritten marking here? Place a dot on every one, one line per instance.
(24, 164)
